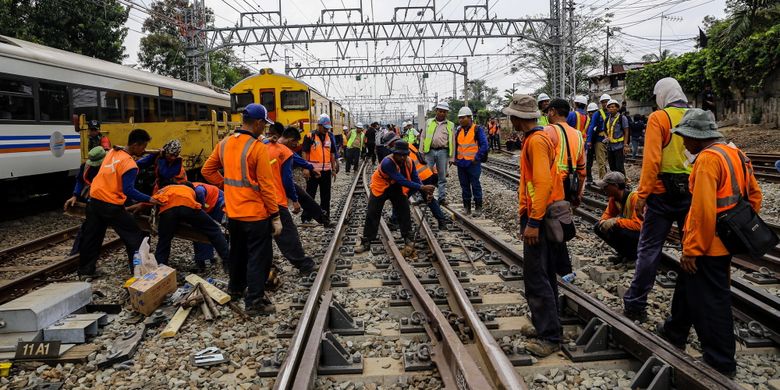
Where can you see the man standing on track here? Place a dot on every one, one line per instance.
(438, 145)
(356, 142)
(370, 151)
(702, 298)
(589, 150)
(542, 101)
(252, 209)
(663, 196)
(578, 118)
(494, 135)
(471, 148)
(319, 149)
(597, 134)
(616, 128)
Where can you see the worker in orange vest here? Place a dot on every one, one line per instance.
(213, 201)
(722, 176)
(619, 225)
(471, 148)
(319, 148)
(494, 136)
(394, 179)
(181, 205)
(251, 205)
(579, 118)
(113, 185)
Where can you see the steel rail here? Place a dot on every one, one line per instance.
(501, 370)
(688, 372)
(288, 372)
(38, 243)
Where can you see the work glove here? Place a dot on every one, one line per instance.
(608, 224)
(276, 226)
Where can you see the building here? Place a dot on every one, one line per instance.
(614, 84)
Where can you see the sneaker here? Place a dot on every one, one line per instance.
(360, 248)
(313, 267)
(262, 307)
(95, 275)
(541, 348)
(235, 296)
(635, 315)
(661, 330)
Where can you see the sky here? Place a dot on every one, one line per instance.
(640, 21)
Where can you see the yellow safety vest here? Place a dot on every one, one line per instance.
(610, 124)
(353, 136)
(429, 136)
(673, 159)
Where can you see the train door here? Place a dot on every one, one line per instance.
(268, 99)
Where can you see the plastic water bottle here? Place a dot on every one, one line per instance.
(137, 265)
(568, 278)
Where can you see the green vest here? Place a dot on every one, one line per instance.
(543, 121)
(409, 137)
(429, 136)
(673, 158)
(353, 136)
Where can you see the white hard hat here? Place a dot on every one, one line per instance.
(580, 99)
(405, 124)
(360, 125)
(613, 101)
(604, 97)
(464, 111)
(442, 106)
(542, 97)
(593, 107)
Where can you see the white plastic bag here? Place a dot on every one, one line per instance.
(148, 262)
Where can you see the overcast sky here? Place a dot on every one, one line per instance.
(639, 18)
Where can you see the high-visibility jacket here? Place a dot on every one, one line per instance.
(107, 184)
(380, 181)
(493, 129)
(320, 153)
(176, 195)
(543, 121)
(212, 195)
(423, 170)
(430, 129)
(353, 136)
(250, 193)
(537, 170)
(583, 122)
(663, 151)
(623, 210)
(410, 137)
(610, 127)
(278, 155)
(575, 144)
(718, 178)
(467, 144)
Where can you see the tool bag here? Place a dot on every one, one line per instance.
(559, 222)
(741, 229)
(676, 185)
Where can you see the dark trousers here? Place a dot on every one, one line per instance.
(353, 158)
(101, 215)
(616, 160)
(323, 183)
(371, 152)
(540, 263)
(198, 220)
(311, 209)
(205, 251)
(494, 141)
(703, 300)
(251, 255)
(469, 183)
(374, 212)
(77, 241)
(589, 163)
(622, 240)
(289, 242)
(660, 213)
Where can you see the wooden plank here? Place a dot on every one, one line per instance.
(176, 322)
(77, 354)
(216, 294)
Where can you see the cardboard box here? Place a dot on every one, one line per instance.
(148, 292)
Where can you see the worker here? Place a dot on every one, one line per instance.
(370, 151)
(471, 148)
(619, 224)
(95, 137)
(662, 196)
(311, 209)
(617, 143)
(721, 176)
(112, 186)
(168, 164)
(355, 144)
(338, 136)
(538, 190)
(384, 146)
(589, 151)
(180, 205)
(579, 118)
(289, 241)
(212, 200)
(251, 206)
(410, 133)
(597, 134)
(542, 101)
(84, 178)
(438, 146)
(319, 150)
(494, 134)
(570, 172)
(394, 179)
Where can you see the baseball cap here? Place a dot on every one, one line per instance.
(613, 177)
(257, 111)
(325, 122)
(93, 124)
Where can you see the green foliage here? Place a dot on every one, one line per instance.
(87, 27)
(756, 114)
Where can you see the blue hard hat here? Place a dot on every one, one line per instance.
(325, 122)
(257, 111)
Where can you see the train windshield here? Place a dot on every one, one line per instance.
(295, 100)
(240, 100)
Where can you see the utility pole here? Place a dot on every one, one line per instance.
(661, 37)
(606, 53)
(572, 52)
(465, 84)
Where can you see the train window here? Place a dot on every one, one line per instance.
(133, 107)
(150, 109)
(166, 109)
(240, 100)
(179, 111)
(267, 100)
(111, 106)
(192, 111)
(295, 100)
(203, 113)
(53, 102)
(85, 101)
(16, 100)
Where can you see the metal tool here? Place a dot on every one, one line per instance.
(208, 357)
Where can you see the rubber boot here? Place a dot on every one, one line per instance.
(477, 208)
(467, 208)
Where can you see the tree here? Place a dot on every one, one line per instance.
(87, 27)
(653, 57)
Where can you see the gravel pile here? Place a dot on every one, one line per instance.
(24, 229)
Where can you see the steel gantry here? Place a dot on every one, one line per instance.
(385, 99)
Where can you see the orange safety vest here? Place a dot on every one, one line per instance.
(319, 155)
(423, 170)
(176, 195)
(527, 173)
(278, 155)
(212, 195)
(380, 181)
(583, 122)
(493, 130)
(729, 190)
(242, 191)
(467, 144)
(107, 184)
